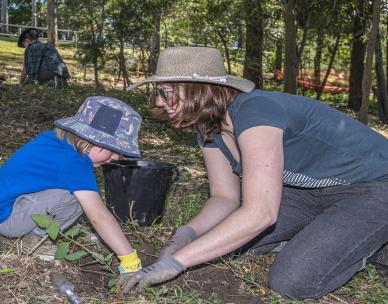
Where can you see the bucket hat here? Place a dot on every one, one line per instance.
(33, 32)
(106, 122)
(194, 64)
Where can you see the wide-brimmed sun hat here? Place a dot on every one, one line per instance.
(106, 122)
(32, 32)
(194, 64)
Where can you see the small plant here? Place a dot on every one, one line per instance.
(68, 240)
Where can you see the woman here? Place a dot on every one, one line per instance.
(286, 173)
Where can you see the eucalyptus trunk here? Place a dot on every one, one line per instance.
(291, 59)
(155, 44)
(4, 16)
(317, 58)
(357, 58)
(370, 49)
(52, 27)
(334, 52)
(253, 61)
(382, 100)
(33, 14)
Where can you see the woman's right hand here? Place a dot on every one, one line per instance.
(183, 236)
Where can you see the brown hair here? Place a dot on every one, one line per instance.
(80, 144)
(204, 107)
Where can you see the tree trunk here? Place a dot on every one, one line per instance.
(291, 60)
(317, 58)
(33, 14)
(253, 61)
(52, 28)
(382, 100)
(386, 56)
(155, 44)
(367, 76)
(279, 55)
(4, 16)
(329, 66)
(94, 45)
(122, 65)
(357, 58)
(227, 55)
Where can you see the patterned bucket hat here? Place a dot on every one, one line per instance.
(32, 32)
(106, 122)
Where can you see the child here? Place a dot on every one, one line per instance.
(53, 173)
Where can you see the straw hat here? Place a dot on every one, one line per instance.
(194, 64)
(106, 122)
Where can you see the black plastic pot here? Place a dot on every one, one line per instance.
(137, 190)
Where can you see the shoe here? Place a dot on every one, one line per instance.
(42, 248)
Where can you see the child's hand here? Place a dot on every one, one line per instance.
(129, 263)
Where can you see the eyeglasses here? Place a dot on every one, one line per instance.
(162, 92)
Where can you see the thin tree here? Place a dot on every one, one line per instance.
(253, 66)
(290, 50)
(34, 22)
(357, 56)
(382, 100)
(4, 16)
(52, 27)
(370, 49)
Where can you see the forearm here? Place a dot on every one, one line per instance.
(215, 210)
(236, 230)
(110, 231)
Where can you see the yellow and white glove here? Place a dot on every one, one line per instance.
(129, 263)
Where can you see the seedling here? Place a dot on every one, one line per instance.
(68, 240)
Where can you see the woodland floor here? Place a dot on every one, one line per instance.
(232, 279)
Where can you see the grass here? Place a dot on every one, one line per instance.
(27, 111)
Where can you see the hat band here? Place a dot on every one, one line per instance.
(195, 76)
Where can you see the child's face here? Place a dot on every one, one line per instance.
(101, 156)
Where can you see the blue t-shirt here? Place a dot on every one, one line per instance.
(45, 162)
(322, 146)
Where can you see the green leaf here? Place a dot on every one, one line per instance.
(53, 229)
(42, 220)
(62, 251)
(108, 257)
(75, 255)
(98, 257)
(73, 232)
(111, 283)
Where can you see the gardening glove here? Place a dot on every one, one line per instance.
(163, 270)
(183, 236)
(129, 263)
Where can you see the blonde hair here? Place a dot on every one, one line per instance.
(204, 108)
(80, 144)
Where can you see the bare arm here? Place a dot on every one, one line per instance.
(103, 221)
(262, 160)
(224, 192)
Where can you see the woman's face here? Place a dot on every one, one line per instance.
(164, 99)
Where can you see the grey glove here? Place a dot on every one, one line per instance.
(161, 271)
(183, 236)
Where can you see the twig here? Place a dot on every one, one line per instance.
(44, 239)
(97, 272)
(337, 298)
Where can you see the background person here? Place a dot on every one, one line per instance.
(42, 61)
(286, 173)
(53, 174)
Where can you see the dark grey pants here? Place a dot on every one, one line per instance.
(330, 232)
(61, 203)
